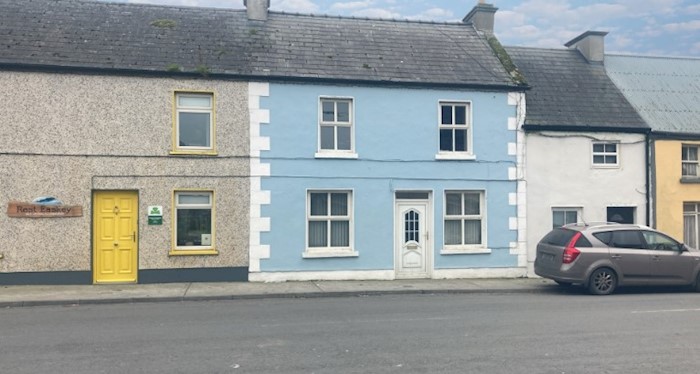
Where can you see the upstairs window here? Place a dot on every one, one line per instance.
(194, 124)
(689, 161)
(605, 154)
(455, 128)
(335, 126)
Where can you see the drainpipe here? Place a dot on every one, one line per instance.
(649, 175)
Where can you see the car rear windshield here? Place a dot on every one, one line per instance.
(559, 237)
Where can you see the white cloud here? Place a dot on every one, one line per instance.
(433, 14)
(695, 48)
(683, 26)
(509, 18)
(198, 3)
(350, 5)
(377, 13)
(639, 8)
(294, 6)
(693, 9)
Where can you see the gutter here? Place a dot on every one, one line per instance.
(631, 130)
(254, 77)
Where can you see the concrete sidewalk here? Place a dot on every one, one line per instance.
(22, 296)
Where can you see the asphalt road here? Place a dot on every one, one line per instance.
(463, 333)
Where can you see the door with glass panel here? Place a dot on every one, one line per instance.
(412, 241)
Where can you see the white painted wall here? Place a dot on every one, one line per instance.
(560, 173)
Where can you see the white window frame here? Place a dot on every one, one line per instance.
(685, 161)
(605, 154)
(330, 251)
(456, 155)
(577, 210)
(210, 249)
(482, 216)
(695, 214)
(335, 152)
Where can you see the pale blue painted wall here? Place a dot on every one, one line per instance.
(396, 140)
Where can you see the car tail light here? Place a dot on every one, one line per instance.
(570, 252)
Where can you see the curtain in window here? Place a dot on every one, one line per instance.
(318, 234)
(453, 232)
(471, 203)
(340, 234)
(690, 231)
(472, 232)
(319, 204)
(339, 204)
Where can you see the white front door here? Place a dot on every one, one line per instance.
(412, 241)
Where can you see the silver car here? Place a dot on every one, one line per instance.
(604, 256)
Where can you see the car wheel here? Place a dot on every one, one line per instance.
(603, 281)
(697, 283)
(564, 284)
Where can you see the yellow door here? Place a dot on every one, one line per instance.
(115, 234)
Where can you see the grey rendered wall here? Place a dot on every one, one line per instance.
(66, 135)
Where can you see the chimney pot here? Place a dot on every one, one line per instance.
(257, 9)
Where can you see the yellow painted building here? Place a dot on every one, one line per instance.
(677, 195)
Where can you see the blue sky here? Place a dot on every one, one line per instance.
(649, 27)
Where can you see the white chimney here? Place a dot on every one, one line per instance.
(482, 17)
(257, 9)
(591, 44)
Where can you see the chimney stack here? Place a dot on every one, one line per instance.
(591, 44)
(481, 17)
(257, 9)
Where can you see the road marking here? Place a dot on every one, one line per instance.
(665, 311)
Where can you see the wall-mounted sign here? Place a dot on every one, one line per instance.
(155, 214)
(155, 210)
(155, 220)
(32, 210)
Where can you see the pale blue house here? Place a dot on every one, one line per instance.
(384, 149)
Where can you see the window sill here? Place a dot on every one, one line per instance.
(336, 155)
(201, 153)
(604, 166)
(465, 251)
(455, 156)
(193, 252)
(329, 254)
(690, 180)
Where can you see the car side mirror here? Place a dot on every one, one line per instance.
(682, 248)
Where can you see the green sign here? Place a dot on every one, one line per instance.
(155, 220)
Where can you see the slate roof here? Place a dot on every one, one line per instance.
(223, 42)
(569, 93)
(664, 90)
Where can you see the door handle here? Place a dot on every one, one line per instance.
(616, 256)
(133, 236)
(656, 258)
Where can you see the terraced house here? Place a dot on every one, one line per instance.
(585, 144)
(393, 150)
(132, 122)
(146, 143)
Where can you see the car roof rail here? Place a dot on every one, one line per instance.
(591, 224)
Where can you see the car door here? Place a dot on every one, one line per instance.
(629, 254)
(669, 263)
